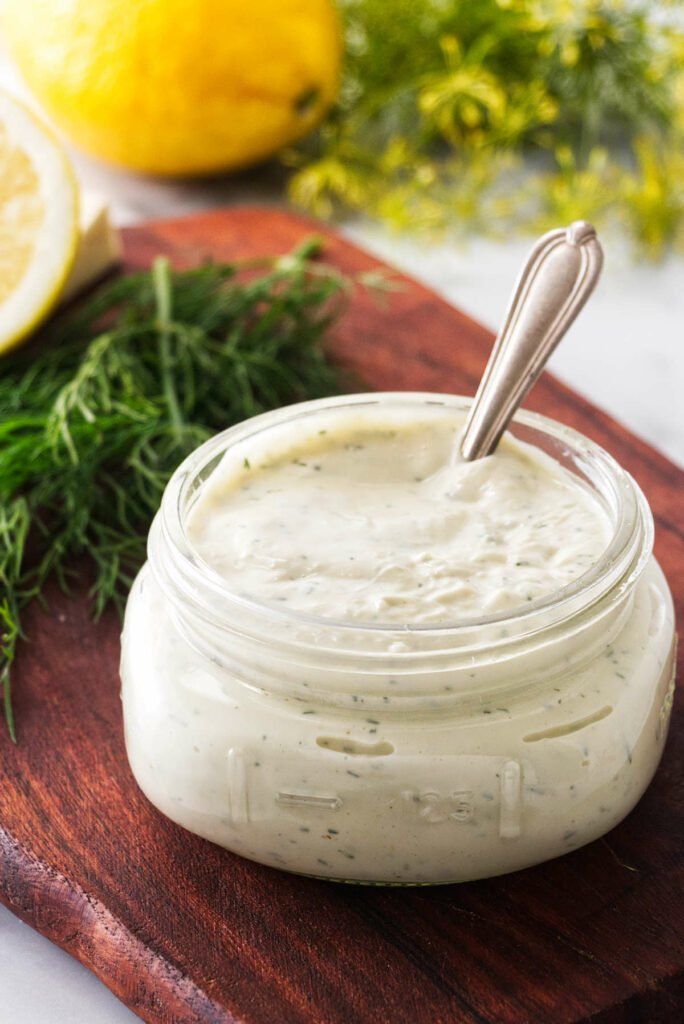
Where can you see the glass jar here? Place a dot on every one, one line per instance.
(388, 754)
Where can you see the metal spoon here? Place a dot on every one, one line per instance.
(555, 282)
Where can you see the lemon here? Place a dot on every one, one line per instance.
(179, 87)
(38, 221)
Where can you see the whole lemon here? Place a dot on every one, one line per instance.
(179, 86)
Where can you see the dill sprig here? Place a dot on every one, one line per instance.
(93, 424)
(505, 114)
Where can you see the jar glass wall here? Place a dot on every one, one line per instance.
(390, 754)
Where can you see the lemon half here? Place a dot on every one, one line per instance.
(38, 221)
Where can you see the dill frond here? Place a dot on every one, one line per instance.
(92, 426)
(440, 97)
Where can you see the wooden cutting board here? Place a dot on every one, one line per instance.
(183, 931)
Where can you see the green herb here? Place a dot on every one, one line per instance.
(442, 100)
(627, 867)
(92, 426)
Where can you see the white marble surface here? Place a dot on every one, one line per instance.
(626, 353)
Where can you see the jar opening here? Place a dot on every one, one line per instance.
(198, 592)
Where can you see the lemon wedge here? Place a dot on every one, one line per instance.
(38, 221)
(98, 250)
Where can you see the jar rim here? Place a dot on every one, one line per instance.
(621, 563)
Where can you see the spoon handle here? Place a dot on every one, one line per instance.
(555, 282)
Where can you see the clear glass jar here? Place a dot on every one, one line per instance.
(384, 754)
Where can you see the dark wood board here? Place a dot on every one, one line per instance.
(183, 931)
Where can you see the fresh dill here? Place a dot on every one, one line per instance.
(93, 423)
(497, 115)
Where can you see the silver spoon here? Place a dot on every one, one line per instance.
(555, 282)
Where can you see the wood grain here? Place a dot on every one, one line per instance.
(183, 931)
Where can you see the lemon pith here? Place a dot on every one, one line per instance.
(168, 87)
(38, 221)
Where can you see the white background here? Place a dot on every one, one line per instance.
(626, 353)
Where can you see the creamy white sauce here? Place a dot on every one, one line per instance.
(366, 770)
(362, 523)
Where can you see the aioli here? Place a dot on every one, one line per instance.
(373, 524)
(380, 754)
